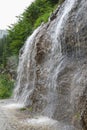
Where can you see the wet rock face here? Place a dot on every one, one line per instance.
(53, 68)
(74, 45)
(74, 39)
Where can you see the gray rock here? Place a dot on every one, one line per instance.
(52, 72)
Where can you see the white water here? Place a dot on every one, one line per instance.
(27, 69)
(57, 102)
(40, 121)
(24, 87)
(13, 120)
(61, 21)
(14, 106)
(24, 65)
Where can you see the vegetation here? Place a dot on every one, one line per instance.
(38, 12)
(6, 86)
(32, 17)
(30, 109)
(3, 50)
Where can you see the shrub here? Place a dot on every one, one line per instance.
(6, 86)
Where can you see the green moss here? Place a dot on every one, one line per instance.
(77, 116)
(30, 109)
(23, 109)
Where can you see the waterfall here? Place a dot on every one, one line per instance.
(52, 69)
(21, 91)
(52, 72)
(26, 76)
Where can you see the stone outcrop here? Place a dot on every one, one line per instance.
(52, 71)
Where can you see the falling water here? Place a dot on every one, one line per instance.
(21, 91)
(27, 91)
(24, 86)
(51, 85)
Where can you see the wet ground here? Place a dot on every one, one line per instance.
(12, 118)
(17, 119)
(8, 120)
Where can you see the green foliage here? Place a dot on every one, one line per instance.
(3, 50)
(43, 18)
(56, 1)
(61, 1)
(6, 86)
(38, 12)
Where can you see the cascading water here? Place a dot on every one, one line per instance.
(48, 67)
(25, 86)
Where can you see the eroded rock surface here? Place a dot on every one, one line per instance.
(52, 73)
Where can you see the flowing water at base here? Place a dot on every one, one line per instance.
(8, 120)
(12, 118)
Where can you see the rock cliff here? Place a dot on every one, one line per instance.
(52, 72)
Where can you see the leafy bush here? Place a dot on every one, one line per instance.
(6, 86)
(43, 18)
